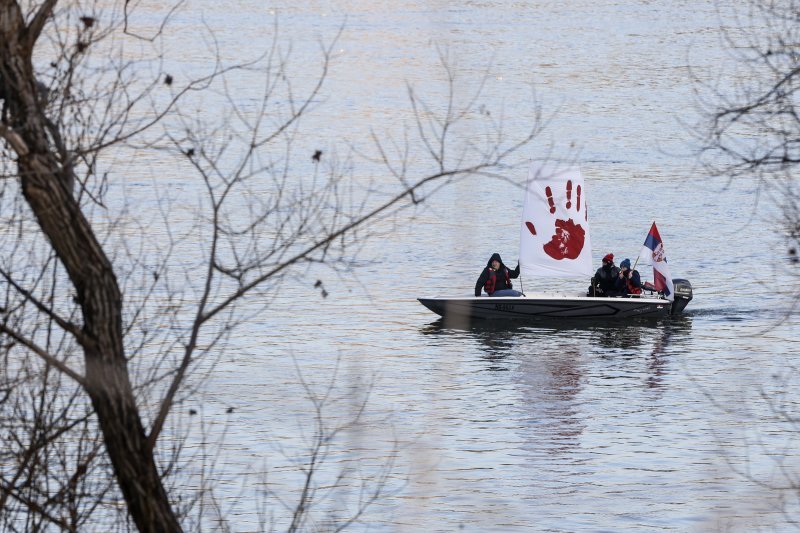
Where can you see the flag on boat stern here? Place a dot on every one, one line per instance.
(554, 234)
(653, 251)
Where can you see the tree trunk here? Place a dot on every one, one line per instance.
(46, 186)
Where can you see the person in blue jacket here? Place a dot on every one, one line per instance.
(496, 278)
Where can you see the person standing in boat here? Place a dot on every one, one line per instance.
(628, 282)
(604, 282)
(496, 279)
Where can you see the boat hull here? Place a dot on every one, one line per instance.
(528, 307)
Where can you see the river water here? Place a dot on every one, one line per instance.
(674, 425)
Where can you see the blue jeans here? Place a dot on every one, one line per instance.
(506, 292)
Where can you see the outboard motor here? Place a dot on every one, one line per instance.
(683, 295)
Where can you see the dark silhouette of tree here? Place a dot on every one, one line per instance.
(110, 302)
(751, 125)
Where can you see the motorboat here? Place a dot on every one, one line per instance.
(562, 306)
(554, 242)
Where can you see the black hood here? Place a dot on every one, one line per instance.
(495, 257)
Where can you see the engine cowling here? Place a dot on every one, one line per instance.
(683, 295)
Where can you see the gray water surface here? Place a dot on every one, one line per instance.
(545, 427)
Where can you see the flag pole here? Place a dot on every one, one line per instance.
(640, 250)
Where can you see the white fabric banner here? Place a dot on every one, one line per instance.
(554, 237)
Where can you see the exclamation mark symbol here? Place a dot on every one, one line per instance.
(550, 201)
(569, 194)
(578, 198)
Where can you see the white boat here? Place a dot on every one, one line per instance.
(554, 242)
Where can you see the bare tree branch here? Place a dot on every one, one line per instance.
(151, 303)
(36, 26)
(48, 358)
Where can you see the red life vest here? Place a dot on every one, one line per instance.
(632, 289)
(492, 281)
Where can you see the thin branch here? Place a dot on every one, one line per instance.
(34, 29)
(62, 323)
(48, 358)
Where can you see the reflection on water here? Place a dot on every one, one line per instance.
(499, 336)
(674, 332)
(551, 363)
(550, 388)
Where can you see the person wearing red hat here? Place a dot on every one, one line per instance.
(604, 280)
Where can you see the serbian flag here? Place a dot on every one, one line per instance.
(653, 251)
(554, 233)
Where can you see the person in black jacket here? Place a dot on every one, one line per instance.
(496, 279)
(605, 279)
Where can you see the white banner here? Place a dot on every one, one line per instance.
(554, 237)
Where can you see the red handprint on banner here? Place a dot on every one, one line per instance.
(569, 236)
(567, 241)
